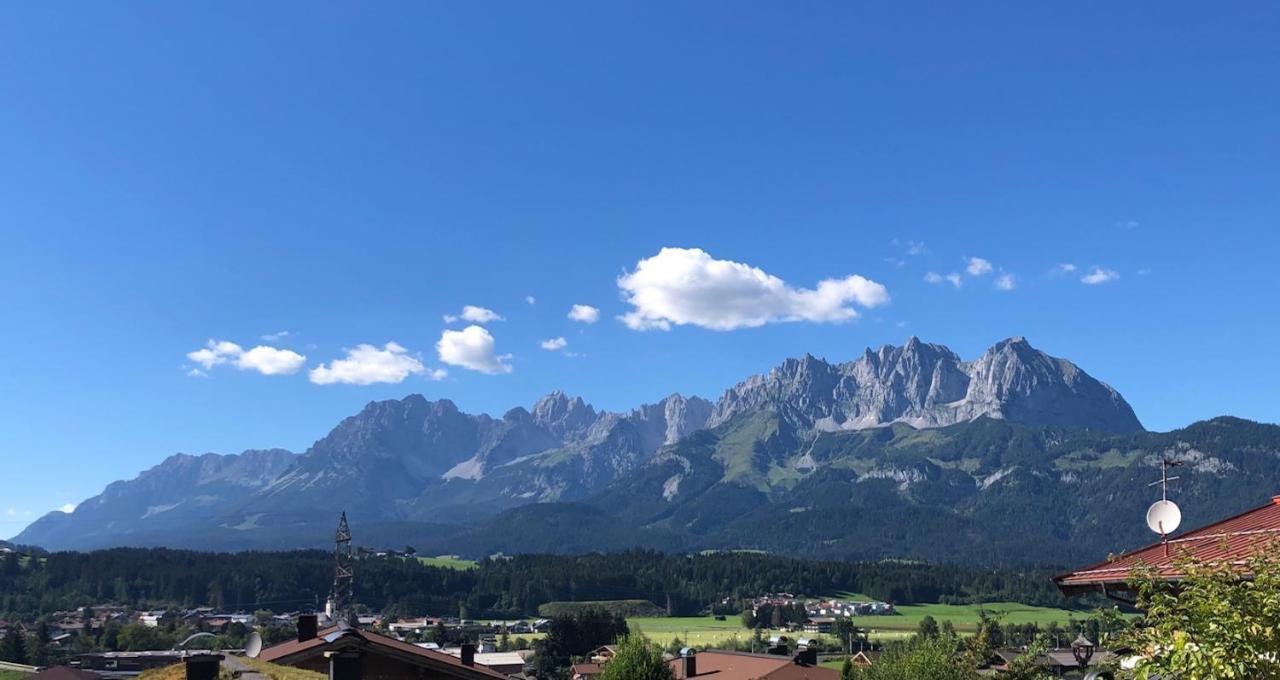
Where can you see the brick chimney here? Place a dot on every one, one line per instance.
(307, 626)
(468, 651)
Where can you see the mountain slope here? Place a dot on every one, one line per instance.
(804, 427)
(927, 385)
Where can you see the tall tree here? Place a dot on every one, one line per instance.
(14, 647)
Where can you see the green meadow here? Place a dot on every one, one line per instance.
(448, 561)
(706, 631)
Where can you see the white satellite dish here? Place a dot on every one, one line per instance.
(1163, 517)
(253, 647)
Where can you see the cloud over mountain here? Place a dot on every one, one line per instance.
(472, 348)
(263, 359)
(687, 286)
(366, 365)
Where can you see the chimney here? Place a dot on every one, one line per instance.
(688, 663)
(306, 627)
(203, 666)
(468, 652)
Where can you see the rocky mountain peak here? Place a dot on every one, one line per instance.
(562, 415)
(928, 385)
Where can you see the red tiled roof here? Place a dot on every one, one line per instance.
(293, 651)
(717, 665)
(1231, 540)
(63, 673)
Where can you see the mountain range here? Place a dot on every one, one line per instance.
(909, 451)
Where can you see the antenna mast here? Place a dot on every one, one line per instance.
(1165, 478)
(1164, 516)
(344, 573)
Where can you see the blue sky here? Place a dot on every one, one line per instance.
(176, 173)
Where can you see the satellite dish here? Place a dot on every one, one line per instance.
(1163, 517)
(253, 647)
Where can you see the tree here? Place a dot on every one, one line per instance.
(846, 632)
(1027, 665)
(920, 659)
(1219, 621)
(636, 659)
(928, 627)
(14, 647)
(847, 671)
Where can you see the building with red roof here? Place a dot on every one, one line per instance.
(1233, 540)
(364, 655)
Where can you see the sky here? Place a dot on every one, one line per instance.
(229, 225)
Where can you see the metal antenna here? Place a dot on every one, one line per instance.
(344, 573)
(1165, 478)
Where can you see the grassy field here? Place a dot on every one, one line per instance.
(13, 675)
(705, 630)
(450, 561)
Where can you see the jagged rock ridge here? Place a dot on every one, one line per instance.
(417, 460)
(926, 385)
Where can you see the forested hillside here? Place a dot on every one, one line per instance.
(503, 587)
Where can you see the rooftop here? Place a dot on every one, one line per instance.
(1231, 540)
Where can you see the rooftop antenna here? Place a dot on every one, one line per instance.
(1164, 516)
(344, 573)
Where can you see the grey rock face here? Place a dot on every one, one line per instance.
(927, 385)
(419, 460)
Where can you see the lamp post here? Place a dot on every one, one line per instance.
(1082, 650)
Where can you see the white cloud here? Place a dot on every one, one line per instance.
(553, 344)
(277, 336)
(1128, 224)
(215, 353)
(474, 314)
(1006, 282)
(471, 348)
(12, 512)
(68, 508)
(1144, 271)
(531, 299)
(935, 278)
(271, 360)
(437, 374)
(1064, 268)
(687, 286)
(978, 266)
(915, 247)
(263, 359)
(1100, 275)
(366, 364)
(584, 313)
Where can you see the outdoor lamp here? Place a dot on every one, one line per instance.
(1082, 650)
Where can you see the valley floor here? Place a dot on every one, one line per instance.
(707, 631)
